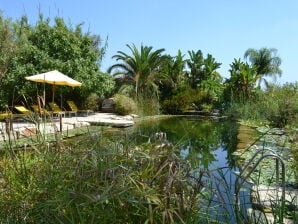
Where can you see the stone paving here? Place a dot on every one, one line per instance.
(105, 119)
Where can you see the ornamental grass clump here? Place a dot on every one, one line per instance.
(124, 105)
(98, 181)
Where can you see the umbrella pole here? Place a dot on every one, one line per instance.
(44, 96)
(53, 97)
(44, 92)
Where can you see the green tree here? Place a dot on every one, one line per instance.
(174, 75)
(8, 49)
(46, 47)
(204, 77)
(242, 81)
(142, 68)
(266, 62)
(210, 67)
(7, 46)
(195, 64)
(201, 69)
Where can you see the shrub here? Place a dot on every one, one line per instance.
(283, 102)
(148, 105)
(182, 101)
(277, 105)
(93, 102)
(124, 105)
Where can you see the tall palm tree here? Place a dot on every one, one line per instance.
(195, 63)
(201, 69)
(173, 74)
(140, 68)
(243, 79)
(210, 66)
(266, 62)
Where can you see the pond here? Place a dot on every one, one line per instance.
(208, 144)
(214, 147)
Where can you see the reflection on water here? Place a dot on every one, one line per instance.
(205, 143)
(208, 144)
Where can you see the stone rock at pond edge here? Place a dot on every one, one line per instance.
(259, 217)
(264, 196)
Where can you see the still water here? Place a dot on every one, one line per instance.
(207, 144)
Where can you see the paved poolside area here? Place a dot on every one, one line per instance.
(23, 128)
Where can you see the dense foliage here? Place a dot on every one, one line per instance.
(96, 181)
(112, 182)
(124, 105)
(181, 85)
(157, 82)
(28, 50)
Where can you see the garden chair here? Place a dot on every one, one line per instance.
(23, 110)
(24, 113)
(56, 109)
(5, 114)
(41, 111)
(73, 107)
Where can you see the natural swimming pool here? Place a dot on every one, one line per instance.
(209, 144)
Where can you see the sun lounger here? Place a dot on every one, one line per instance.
(56, 109)
(25, 113)
(73, 107)
(41, 111)
(23, 110)
(5, 115)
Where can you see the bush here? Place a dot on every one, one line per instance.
(93, 102)
(283, 102)
(124, 105)
(182, 101)
(277, 105)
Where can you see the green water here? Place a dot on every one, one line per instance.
(208, 144)
(205, 142)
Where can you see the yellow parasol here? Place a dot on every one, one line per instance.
(55, 78)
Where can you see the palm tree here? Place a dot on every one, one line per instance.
(140, 68)
(195, 63)
(173, 75)
(201, 69)
(265, 61)
(210, 66)
(243, 79)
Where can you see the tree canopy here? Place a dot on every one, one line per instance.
(45, 47)
(141, 68)
(266, 61)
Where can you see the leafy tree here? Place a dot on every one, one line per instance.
(7, 46)
(8, 49)
(46, 47)
(201, 69)
(174, 76)
(210, 66)
(140, 69)
(242, 81)
(266, 62)
(195, 64)
(203, 76)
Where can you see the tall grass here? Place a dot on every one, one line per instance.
(96, 181)
(277, 106)
(100, 180)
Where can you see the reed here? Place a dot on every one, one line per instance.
(95, 179)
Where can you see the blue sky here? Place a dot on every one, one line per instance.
(223, 28)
